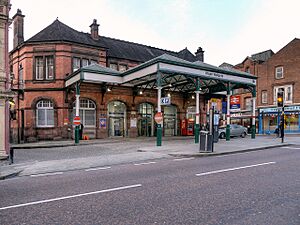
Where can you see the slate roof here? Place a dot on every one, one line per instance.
(262, 56)
(101, 69)
(58, 31)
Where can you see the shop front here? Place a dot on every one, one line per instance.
(145, 121)
(117, 119)
(170, 120)
(269, 119)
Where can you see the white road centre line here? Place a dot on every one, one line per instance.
(146, 163)
(290, 147)
(183, 159)
(71, 196)
(46, 174)
(98, 168)
(232, 169)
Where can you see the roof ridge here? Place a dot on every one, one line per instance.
(116, 39)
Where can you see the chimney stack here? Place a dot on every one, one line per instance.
(94, 30)
(18, 21)
(199, 54)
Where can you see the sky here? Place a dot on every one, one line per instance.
(227, 30)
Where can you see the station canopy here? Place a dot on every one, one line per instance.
(175, 74)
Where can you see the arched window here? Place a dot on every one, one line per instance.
(44, 114)
(87, 112)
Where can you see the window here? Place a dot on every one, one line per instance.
(113, 66)
(39, 68)
(44, 114)
(264, 97)
(44, 68)
(87, 112)
(85, 62)
(49, 68)
(248, 103)
(94, 62)
(76, 63)
(122, 68)
(288, 93)
(21, 81)
(279, 72)
(247, 70)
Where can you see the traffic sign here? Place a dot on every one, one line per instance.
(158, 117)
(76, 120)
(165, 101)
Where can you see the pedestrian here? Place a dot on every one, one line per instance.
(81, 131)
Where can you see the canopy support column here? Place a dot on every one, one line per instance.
(197, 125)
(228, 113)
(77, 112)
(253, 128)
(159, 127)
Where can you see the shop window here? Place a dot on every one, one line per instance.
(44, 67)
(264, 97)
(117, 118)
(279, 72)
(44, 114)
(87, 112)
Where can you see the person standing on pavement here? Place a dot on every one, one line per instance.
(81, 131)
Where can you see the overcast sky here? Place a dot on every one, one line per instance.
(227, 30)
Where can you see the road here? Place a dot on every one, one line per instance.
(250, 188)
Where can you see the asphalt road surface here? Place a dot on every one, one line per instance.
(260, 187)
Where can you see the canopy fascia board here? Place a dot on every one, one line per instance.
(208, 75)
(151, 69)
(72, 80)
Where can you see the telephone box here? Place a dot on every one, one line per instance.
(190, 127)
(183, 127)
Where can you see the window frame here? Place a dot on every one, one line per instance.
(264, 97)
(277, 72)
(285, 90)
(247, 100)
(90, 106)
(45, 108)
(43, 68)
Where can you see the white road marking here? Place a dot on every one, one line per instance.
(71, 196)
(46, 174)
(290, 147)
(146, 163)
(183, 159)
(98, 168)
(232, 169)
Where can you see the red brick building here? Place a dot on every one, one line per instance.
(41, 64)
(45, 66)
(275, 72)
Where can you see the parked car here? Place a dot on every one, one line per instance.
(235, 131)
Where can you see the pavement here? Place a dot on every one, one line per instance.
(57, 156)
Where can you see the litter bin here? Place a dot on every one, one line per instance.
(206, 142)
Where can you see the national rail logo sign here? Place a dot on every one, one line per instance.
(235, 102)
